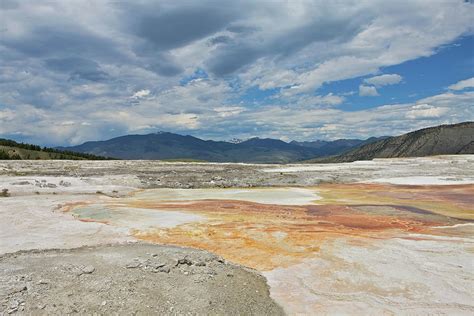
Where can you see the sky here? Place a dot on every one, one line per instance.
(78, 70)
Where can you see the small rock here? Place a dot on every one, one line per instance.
(133, 265)
(164, 270)
(71, 310)
(210, 272)
(103, 303)
(64, 183)
(18, 289)
(88, 269)
(155, 267)
(200, 279)
(184, 261)
(14, 306)
(21, 183)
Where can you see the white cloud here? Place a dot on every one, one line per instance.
(67, 123)
(394, 119)
(368, 91)
(384, 80)
(398, 31)
(425, 111)
(328, 99)
(273, 120)
(311, 101)
(226, 111)
(141, 94)
(7, 115)
(463, 84)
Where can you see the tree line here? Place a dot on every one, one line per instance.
(60, 154)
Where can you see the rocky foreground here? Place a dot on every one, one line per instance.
(130, 279)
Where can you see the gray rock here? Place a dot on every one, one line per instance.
(163, 269)
(18, 288)
(133, 265)
(184, 261)
(88, 269)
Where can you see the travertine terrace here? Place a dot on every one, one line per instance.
(389, 236)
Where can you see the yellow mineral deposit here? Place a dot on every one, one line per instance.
(273, 228)
(352, 248)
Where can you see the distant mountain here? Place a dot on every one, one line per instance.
(235, 140)
(169, 146)
(11, 150)
(438, 140)
(330, 148)
(312, 144)
(160, 145)
(271, 143)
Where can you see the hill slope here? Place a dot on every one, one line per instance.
(438, 140)
(169, 146)
(11, 150)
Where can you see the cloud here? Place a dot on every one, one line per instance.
(463, 84)
(221, 39)
(381, 43)
(233, 58)
(367, 91)
(241, 29)
(313, 101)
(164, 64)
(8, 4)
(331, 123)
(369, 88)
(169, 28)
(141, 94)
(384, 80)
(425, 111)
(70, 61)
(227, 111)
(77, 68)
(283, 42)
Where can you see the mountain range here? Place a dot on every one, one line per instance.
(170, 146)
(438, 140)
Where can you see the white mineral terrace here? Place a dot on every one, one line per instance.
(320, 263)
